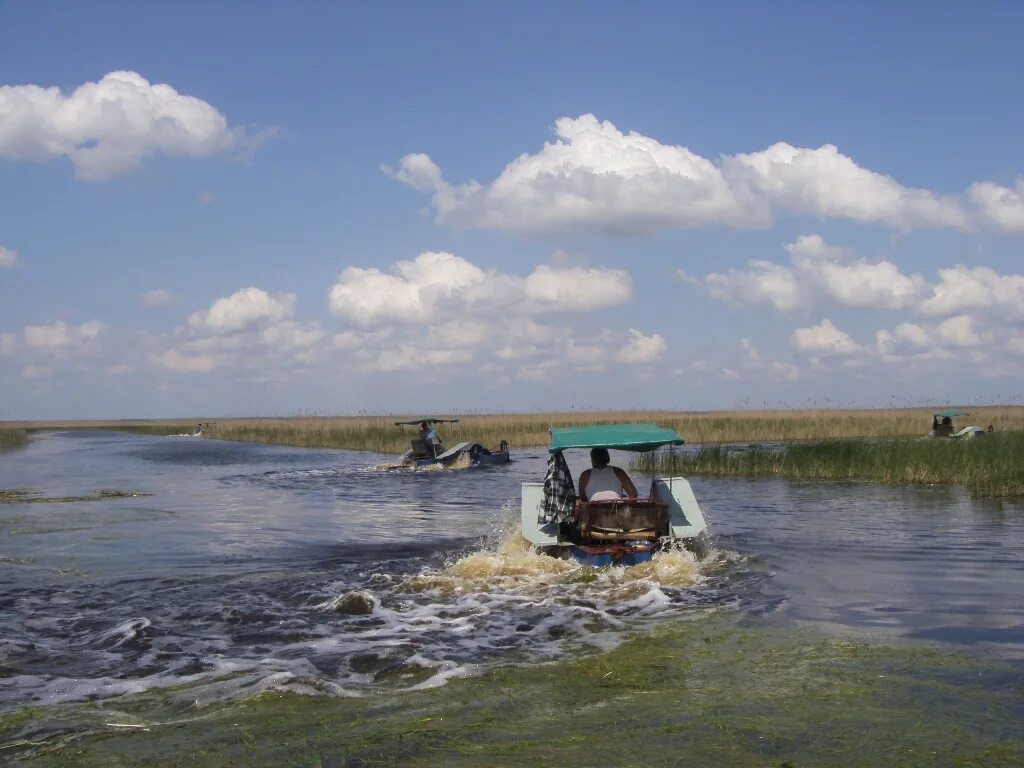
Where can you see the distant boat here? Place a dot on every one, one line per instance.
(424, 453)
(624, 531)
(942, 426)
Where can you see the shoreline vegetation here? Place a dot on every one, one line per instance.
(989, 467)
(12, 438)
(881, 445)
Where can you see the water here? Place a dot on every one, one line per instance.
(229, 572)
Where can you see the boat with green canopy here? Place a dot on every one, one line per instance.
(426, 449)
(610, 529)
(942, 425)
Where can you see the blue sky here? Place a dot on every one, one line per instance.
(227, 209)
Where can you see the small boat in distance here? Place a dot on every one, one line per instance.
(622, 531)
(427, 450)
(942, 426)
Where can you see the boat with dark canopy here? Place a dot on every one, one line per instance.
(623, 531)
(426, 452)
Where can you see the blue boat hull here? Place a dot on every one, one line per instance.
(599, 557)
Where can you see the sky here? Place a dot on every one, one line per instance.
(241, 209)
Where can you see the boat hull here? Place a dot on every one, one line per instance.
(478, 456)
(687, 528)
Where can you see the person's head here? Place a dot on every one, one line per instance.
(423, 425)
(599, 457)
(946, 420)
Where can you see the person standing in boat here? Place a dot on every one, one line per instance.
(429, 436)
(602, 482)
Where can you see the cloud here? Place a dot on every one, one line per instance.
(8, 343)
(176, 362)
(763, 283)
(594, 177)
(107, 128)
(962, 288)
(874, 285)
(997, 206)
(959, 332)
(159, 297)
(243, 309)
(417, 171)
(577, 289)
(642, 349)
(36, 371)
(8, 257)
(435, 283)
(816, 269)
(826, 183)
(290, 335)
(825, 339)
(60, 335)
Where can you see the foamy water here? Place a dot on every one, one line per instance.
(252, 567)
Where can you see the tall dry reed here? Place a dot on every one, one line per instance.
(531, 429)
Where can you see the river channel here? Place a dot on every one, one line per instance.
(235, 568)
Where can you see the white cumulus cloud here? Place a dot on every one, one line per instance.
(825, 339)
(107, 127)
(998, 206)
(176, 362)
(593, 176)
(8, 257)
(159, 297)
(963, 288)
(641, 348)
(763, 282)
(816, 269)
(444, 285)
(243, 309)
(959, 331)
(291, 335)
(60, 335)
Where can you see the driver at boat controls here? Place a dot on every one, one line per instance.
(604, 483)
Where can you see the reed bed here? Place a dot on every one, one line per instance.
(992, 466)
(379, 434)
(12, 438)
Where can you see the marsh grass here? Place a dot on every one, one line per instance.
(992, 466)
(531, 429)
(12, 438)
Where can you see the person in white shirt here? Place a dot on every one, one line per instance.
(602, 482)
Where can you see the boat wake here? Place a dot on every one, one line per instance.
(384, 626)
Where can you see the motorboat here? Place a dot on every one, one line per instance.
(622, 531)
(942, 426)
(426, 450)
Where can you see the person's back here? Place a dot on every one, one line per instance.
(604, 484)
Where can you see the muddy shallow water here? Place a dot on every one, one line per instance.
(242, 568)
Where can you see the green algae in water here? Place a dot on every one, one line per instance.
(720, 692)
(25, 496)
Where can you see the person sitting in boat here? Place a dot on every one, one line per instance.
(602, 482)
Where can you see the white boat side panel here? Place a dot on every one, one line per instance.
(453, 451)
(685, 518)
(539, 535)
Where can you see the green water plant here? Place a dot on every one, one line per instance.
(722, 691)
(12, 438)
(991, 466)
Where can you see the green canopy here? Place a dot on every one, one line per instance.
(427, 419)
(625, 437)
(950, 414)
